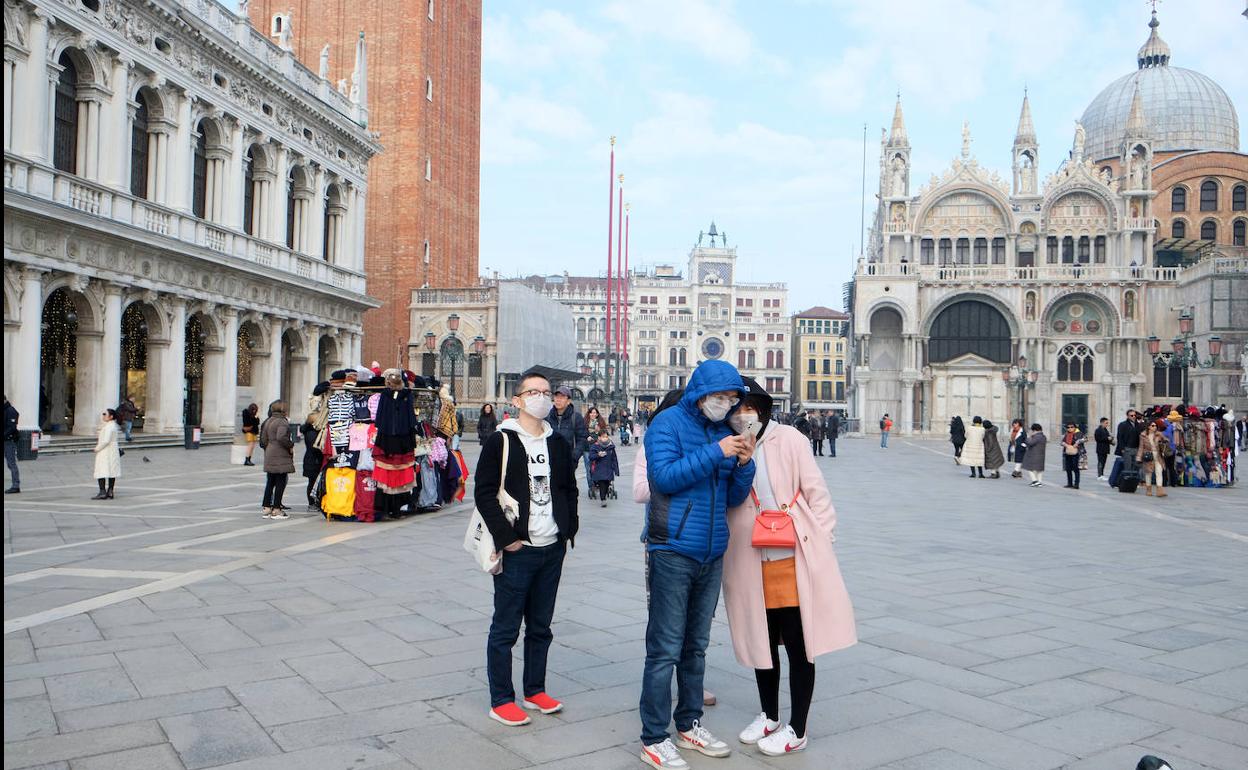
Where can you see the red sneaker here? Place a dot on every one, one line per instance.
(509, 714)
(543, 703)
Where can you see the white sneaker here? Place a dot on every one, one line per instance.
(663, 755)
(700, 739)
(781, 742)
(280, 514)
(760, 728)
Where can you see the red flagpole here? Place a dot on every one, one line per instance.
(610, 223)
(627, 281)
(619, 261)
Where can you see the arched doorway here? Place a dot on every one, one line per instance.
(135, 382)
(326, 357)
(58, 363)
(193, 362)
(969, 342)
(885, 359)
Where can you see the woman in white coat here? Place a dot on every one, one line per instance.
(973, 450)
(107, 456)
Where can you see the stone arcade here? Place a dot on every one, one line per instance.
(183, 215)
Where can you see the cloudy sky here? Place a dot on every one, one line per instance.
(752, 114)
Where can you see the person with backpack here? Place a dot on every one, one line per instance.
(126, 412)
(540, 475)
(279, 459)
(886, 426)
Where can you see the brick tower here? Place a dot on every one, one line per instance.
(424, 100)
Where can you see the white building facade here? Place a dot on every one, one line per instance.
(678, 322)
(183, 215)
(1037, 298)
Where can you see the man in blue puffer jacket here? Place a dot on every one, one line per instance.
(697, 469)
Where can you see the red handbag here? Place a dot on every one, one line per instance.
(773, 529)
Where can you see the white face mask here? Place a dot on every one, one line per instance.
(538, 406)
(716, 408)
(745, 423)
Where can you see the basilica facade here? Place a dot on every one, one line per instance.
(183, 215)
(1119, 280)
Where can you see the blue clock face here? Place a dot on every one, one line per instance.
(712, 348)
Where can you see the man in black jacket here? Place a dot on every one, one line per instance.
(569, 423)
(833, 423)
(540, 477)
(11, 437)
(1128, 435)
(1103, 442)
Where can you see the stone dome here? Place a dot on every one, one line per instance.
(1184, 110)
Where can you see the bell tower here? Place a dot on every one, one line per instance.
(1026, 153)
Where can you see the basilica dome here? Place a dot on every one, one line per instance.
(1183, 110)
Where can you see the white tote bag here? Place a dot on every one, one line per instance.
(477, 540)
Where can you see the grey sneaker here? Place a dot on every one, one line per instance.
(700, 739)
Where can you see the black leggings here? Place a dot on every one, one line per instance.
(603, 486)
(311, 487)
(1070, 463)
(786, 624)
(111, 482)
(274, 488)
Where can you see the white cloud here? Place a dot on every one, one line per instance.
(709, 27)
(544, 40)
(517, 128)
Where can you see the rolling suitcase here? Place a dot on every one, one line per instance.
(1129, 478)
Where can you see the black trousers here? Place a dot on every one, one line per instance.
(603, 485)
(786, 624)
(274, 488)
(1071, 465)
(1101, 457)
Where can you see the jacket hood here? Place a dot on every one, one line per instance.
(710, 377)
(512, 424)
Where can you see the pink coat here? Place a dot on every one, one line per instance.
(827, 615)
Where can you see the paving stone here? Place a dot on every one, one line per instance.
(1207, 658)
(211, 738)
(1183, 695)
(161, 757)
(79, 628)
(55, 667)
(1089, 731)
(941, 759)
(27, 718)
(18, 649)
(352, 755)
(145, 708)
(89, 688)
(335, 729)
(952, 655)
(977, 742)
(970, 708)
(377, 647)
(1211, 752)
(1185, 719)
(1056, 697)
(335, 671)
(1013, 645)
(24, 688)
(279, 701)
(1030, 669)
(949, 676)
(433, 747)
(86, 743)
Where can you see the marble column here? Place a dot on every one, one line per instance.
(115, 129)
(273, 367)
(276, 231)
(907, 406)
(314, 217)
(32, 92)
(227, 397)
(178, 185)
(21, 367)
(172, 392)
(108, 376)
(233, 186)
(360, 214)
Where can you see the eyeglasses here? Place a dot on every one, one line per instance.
(534, 392)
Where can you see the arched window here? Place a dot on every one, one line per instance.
(249, 191)
(981, 251)
(1099, 249)
(1178, 229)
(1178, 199)
(1075, 364)
(580, 330)
(1209, 230)
(138, 148)
(593, 329)
(1239, 197)
(970, 326)
(1085, 245)
(779, 359)
(1209, 195)
(65, 126)
(771, 359)
(946, 251)
(927, 251)
(751, 361)
(199, 182)
(684, 357)
(335, 216)
(998, 251)
(671, 357)
(964, 251)
(1237, 232)
(740, 359)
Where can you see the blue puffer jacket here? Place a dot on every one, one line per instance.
(692, 484)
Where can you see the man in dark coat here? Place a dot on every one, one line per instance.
(1129, 435)
(1103, 442)
(11, 436)
(833, 427)
(569, 423)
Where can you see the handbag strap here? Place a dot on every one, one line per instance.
(502, 473)
(783, 508)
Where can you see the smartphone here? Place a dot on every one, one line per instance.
(752, 427)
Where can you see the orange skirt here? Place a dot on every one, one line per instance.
(780, 583)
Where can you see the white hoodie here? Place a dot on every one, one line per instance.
(542, 527)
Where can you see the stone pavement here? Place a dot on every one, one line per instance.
(1002, 627)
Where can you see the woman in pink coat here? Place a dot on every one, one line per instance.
(803, 602)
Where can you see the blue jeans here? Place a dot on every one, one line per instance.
(884, 438)
(832, 446)
(10, 459)
(127, 427)
(683, 596)
(524, 590)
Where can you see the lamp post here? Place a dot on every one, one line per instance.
(1022, 378)
(1184, 355)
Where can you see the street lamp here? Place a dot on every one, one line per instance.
(1185, 356)
(1021, 377)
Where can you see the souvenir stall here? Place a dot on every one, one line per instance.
(384, 444)
(1203, 444)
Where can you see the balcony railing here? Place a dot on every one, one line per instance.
(40, 181)
(473, 296)
(1006, 274)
